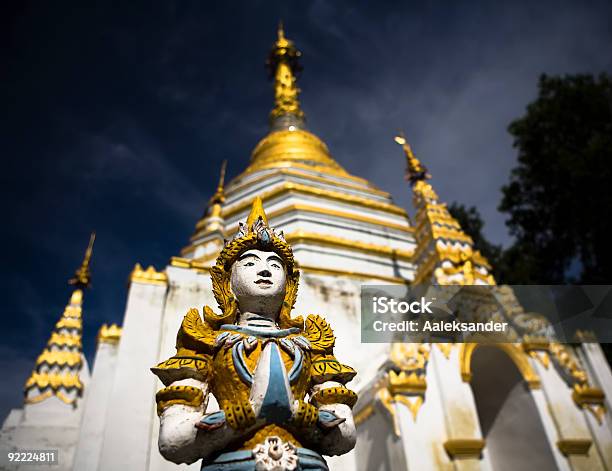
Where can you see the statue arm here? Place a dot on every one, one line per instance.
(334, 431)
(186, 433)
(178, 418)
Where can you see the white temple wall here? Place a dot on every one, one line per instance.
(186, 289)
(423, 437)
(345, 229)
(246, 178)
(569, 420)
(378, 448)
(461, 416)
(322, 257)
(93, 422)
(259, 187)
(290, 198)
(51, 424)
(594, 361)
(515, 435)
(127, 435)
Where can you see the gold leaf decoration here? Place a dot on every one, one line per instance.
(319, 333)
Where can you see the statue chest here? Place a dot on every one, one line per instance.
(270, 371)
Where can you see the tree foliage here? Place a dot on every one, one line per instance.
(559, 197)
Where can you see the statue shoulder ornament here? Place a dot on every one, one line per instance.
(282, 394)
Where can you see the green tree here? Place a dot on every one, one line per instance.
(560, 195)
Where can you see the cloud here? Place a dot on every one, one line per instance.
(453, 86)
(132, 159)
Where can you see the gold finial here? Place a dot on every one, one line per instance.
(109, 334)
(219, 196)
(283, 66)
(415, 170)
(257, 211)
(281, 31)
(82, 277)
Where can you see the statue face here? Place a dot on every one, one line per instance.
(258, 281)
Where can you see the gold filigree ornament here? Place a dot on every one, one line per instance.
(255, 234)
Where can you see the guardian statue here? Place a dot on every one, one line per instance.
(281, 394)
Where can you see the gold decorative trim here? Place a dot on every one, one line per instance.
(313, 168)
(47, 394)
(591, 399)
(339, 242)
(60, 358)
(406, 383)
(148, 276)
(384, 397)
(65, 340)
(283, 64)
(363, 414)
(514, 351)
(39, 398)
(185, 395)
(290, 187)
(54, 381)
(292, 172)
(69, 323)
(574, 446)
(290, 146)
(445, 348)
(182, 262)
(334, 213)
(109, 334)
(439, 236)
(351, 274)
(464, 447)
(336, 395)
(59, 364)
(270, 431)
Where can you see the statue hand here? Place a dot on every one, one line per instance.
(212, 421)
(239, 414)
(305, 415)
(328, 420)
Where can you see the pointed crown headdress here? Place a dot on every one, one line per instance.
(255, 234)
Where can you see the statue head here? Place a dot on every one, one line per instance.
(255, 272)
(258, 282)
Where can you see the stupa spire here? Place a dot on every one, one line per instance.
(283, 66)
(57, 368)
(213, 219)
(445, 254)
(219, 196)
(82, 276)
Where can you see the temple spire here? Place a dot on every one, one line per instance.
(211, 226)
(415, 170)
(82, 276)
(445, 254)
(219, 196)
(58, 367)
(283, 66)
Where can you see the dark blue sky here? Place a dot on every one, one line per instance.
(116, 117)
